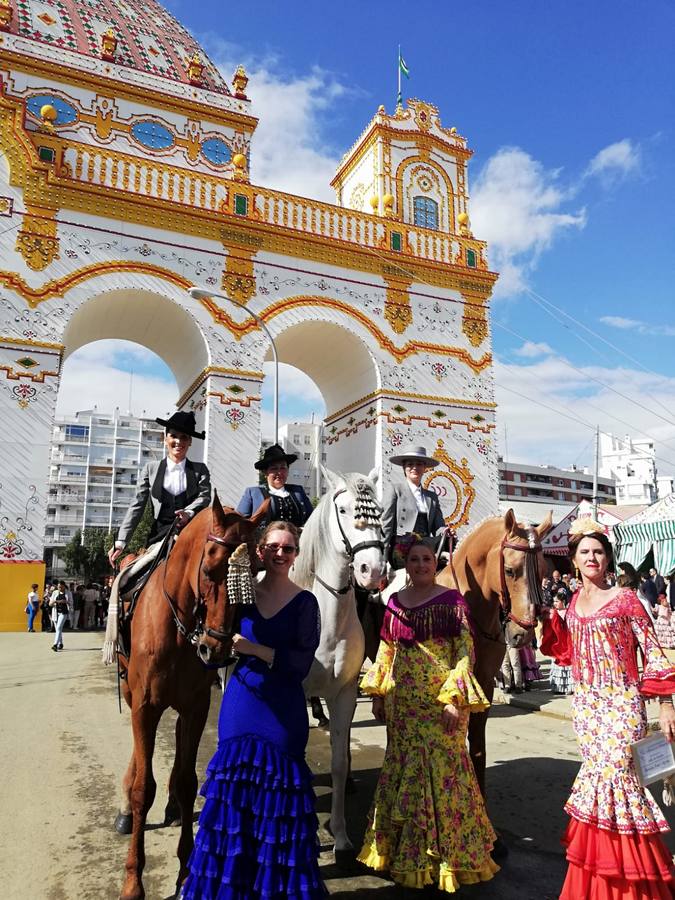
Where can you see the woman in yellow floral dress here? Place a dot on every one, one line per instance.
(428, 823)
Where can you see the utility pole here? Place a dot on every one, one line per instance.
(595, 473)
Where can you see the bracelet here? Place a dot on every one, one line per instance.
(665, 701)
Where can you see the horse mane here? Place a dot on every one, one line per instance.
(522, 529)
(312, 540)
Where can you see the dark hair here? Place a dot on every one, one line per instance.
(629, 578)
(33, 586)
(420, 541)
(600, 537)
(280, 526)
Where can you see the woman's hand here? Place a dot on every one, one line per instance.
(667, 721)
(450, 718)
(243, 646)
(378, 709)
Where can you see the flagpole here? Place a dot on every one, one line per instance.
(399, 99)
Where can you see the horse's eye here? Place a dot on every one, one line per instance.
(342, 510)
(508, 571)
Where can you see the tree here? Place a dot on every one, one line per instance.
(74, 554)
(139, 539)
(96, 542)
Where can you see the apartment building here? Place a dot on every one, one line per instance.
(550, 485)
(94, 465)
(306, 440)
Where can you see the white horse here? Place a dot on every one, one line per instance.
(341, 542)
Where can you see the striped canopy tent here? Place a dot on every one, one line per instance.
(652, 529)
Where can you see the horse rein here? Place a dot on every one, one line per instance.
(350, 550)
(532, 547)
(198, 611)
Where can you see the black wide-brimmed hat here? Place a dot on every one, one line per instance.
(184, 422)
(274, 454)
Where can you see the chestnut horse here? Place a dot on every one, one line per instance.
(498, 568)
(182, 624)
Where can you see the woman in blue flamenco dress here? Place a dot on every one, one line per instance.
(257, 835)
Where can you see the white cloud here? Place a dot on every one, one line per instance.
(615, 161)
(541, 403)
(288, 151)
(519, 208)
(637, 326)
(95, 376)
(530, 349)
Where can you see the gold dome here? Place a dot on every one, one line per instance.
(374, 202)
(463, 218)
(48, 113)
(388, 200)
(239, 161)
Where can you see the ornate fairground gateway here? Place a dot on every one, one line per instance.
(124, 181)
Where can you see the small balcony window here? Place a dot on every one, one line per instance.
(426, 212)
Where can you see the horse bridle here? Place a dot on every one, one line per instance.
(532, 547)
(350, 550)
(199, 608)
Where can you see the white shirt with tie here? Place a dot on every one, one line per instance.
(416, 490)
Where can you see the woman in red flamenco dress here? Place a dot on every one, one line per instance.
(613, 842)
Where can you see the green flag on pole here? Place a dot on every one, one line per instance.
(402, 67)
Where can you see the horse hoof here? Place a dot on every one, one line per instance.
(124, 823)
(172, 814)
(499, 851)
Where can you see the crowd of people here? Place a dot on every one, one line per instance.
(428, 824)
(68, 606)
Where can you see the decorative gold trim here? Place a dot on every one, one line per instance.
(38, 377)
(385, 394)
(240, 329)
(238, 280)
(43, 187)
(66, 75)
(240, 374)
(37, 239)
(228, 401)
(20, 342)
(461, 478)
(397, 309)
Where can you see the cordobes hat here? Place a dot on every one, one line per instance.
(274, 454)
(184, 422)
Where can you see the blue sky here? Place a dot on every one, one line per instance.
(569, 108)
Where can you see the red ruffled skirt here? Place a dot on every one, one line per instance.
(607, 865)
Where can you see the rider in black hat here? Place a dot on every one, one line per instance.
(177, 487)
(289, 503)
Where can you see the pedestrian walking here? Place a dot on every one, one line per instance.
(665, 623)
(32, 606)
(614, 849)
(59, 604)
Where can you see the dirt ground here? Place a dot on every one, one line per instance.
(65, 746)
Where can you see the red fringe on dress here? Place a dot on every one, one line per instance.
(606, 865)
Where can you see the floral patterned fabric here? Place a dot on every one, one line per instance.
(428, 823)
(611, 812)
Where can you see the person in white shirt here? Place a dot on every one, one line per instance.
(177, 487)
(408, 507)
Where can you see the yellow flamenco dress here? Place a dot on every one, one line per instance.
(427, 824)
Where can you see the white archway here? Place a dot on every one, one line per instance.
(343, 369)
(145, 318)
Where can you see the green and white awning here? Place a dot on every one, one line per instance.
(633, 543)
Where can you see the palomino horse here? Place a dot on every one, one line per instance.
(341, 542)
(497, 568)
(182, 623)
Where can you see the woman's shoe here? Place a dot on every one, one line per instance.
(55, 648)
(59, 646)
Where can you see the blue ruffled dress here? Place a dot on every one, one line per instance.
(257, 835)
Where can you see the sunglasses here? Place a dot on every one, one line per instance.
(287, 549)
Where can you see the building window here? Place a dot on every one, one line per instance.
(471, 259)
(308, 440)
(307, 456)
(396, 241)
(426, 212)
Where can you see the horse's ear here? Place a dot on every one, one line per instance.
(217, 510)
(331, 477)
(546, 525)
(509, 521)
(261, 512)
(374, 474)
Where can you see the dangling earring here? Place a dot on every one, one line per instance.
(577, 573)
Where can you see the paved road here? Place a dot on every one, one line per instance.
(65, 745)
